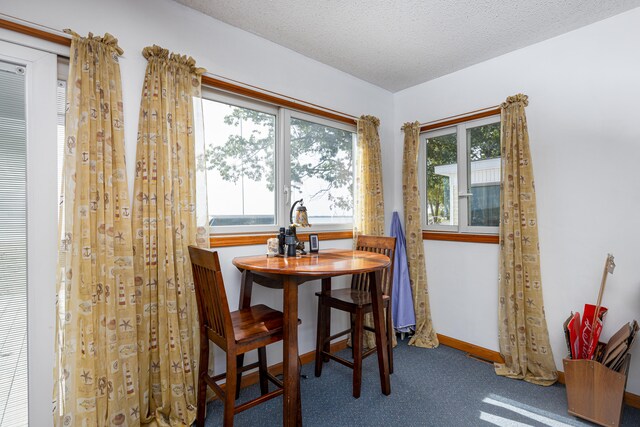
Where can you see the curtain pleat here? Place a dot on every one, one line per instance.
(522, 328)
(167, 218)
(96, 371)
(368, 217)
(425, 335)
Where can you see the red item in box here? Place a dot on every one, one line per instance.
(574, 336)
(589, 340)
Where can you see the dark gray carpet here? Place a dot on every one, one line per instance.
(439, 387)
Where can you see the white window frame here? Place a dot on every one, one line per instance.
(289, 114)
(223, 97)
(282, 154)
(463, 170)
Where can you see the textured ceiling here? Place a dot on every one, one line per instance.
(396, 44)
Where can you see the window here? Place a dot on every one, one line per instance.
(321, 164)
(261, 158)
(240, 144)
(460, 176)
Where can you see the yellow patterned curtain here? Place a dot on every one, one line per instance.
(522, 328)
(166, 221)
(368, 212)
(368, 217)
(96, 372)
(425, 335)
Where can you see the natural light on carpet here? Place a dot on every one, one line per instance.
(535, 414)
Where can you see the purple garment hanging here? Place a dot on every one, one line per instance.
(404, 318)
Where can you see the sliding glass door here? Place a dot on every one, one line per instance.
(28, 232)
(13, 246)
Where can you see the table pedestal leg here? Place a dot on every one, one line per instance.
(291, 363)
(381, 336)
(326, 316)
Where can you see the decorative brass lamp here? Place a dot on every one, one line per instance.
(301, 221)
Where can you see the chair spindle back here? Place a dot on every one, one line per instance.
(213, 306)
(380, 245)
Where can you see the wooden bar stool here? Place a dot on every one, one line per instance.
(235, 333)
(356, 301)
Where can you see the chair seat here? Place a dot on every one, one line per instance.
(351, 296)
(256, 322)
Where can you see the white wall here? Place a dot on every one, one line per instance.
(226, 51)
(583, 115)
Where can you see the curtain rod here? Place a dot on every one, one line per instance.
(57, 36)
(277, 94)
(34, 29)
(493, 107)
(35, 25)
(450, 120)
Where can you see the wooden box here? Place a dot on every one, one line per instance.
(595, 392)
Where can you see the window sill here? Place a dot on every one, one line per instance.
(228, 240)
(461, 237)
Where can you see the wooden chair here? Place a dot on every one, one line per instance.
(356, 301)
(234, 332)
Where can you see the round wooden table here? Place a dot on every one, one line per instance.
(287, 274)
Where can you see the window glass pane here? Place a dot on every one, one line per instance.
(240, 146)
(13, 247)
(442, 180)
(484, 175)
(322, 171)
